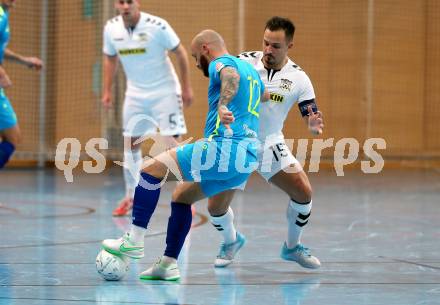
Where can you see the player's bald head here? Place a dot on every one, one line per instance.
(205, 47)
(208, 37)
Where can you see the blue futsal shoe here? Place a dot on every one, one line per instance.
(301, 255)
(228, 251)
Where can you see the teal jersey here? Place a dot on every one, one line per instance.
(245, 106)
(4, 32)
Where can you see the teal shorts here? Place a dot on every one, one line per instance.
(218, 165)
(8, 118)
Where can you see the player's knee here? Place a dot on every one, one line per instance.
(218, 205)
(216, 209)
(182, 196)
(14, 138)
(151, 168)
(212, 209)
(302, 192)
(306, 192)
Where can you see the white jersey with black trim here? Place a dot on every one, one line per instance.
(143, 52)
(286, 87)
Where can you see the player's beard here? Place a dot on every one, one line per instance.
(128, 19)
(269, 61)
(131, 18)
(204, 64)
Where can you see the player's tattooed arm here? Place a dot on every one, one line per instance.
(230, 80)
(229, 86)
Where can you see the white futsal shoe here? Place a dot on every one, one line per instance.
(161, 271)
(124, 246)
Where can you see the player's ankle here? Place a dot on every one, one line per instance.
(167, 261)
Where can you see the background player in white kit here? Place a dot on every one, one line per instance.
(287, 84)
(153, 99)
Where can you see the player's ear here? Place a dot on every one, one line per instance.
(205, 49)
(290, 44)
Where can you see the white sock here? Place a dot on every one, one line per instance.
(133, 163)
(137, 234)
(225, 225)
(297, 217)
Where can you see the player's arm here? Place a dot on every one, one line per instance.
(5, 81)
(266, 96)
(30, 62)
(312, 116)
(308, 108)
(183, 64)
(230, 80)
(110, 68)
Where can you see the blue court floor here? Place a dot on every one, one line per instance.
(377, 236)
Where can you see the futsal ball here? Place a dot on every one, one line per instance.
(111, 267)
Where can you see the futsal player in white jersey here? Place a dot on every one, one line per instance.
(154, 98)
(287, 84)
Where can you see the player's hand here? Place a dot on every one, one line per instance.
(106, 100)
(225, 115)
(266, 96)
(187, 97)
(33, 63)
(315, 121)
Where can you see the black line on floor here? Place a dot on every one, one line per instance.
(19, 214)
(69, 243)
(410, 262)
(93, 301)
(210, 263)
(202, 221)
(230, 284)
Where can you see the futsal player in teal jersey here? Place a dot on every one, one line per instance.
(9, 129)
(222, 160)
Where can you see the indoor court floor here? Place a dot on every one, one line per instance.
(377, 236)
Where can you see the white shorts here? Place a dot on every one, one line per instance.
(275, 158)
(159, 115)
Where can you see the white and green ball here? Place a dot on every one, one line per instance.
(111, 267)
